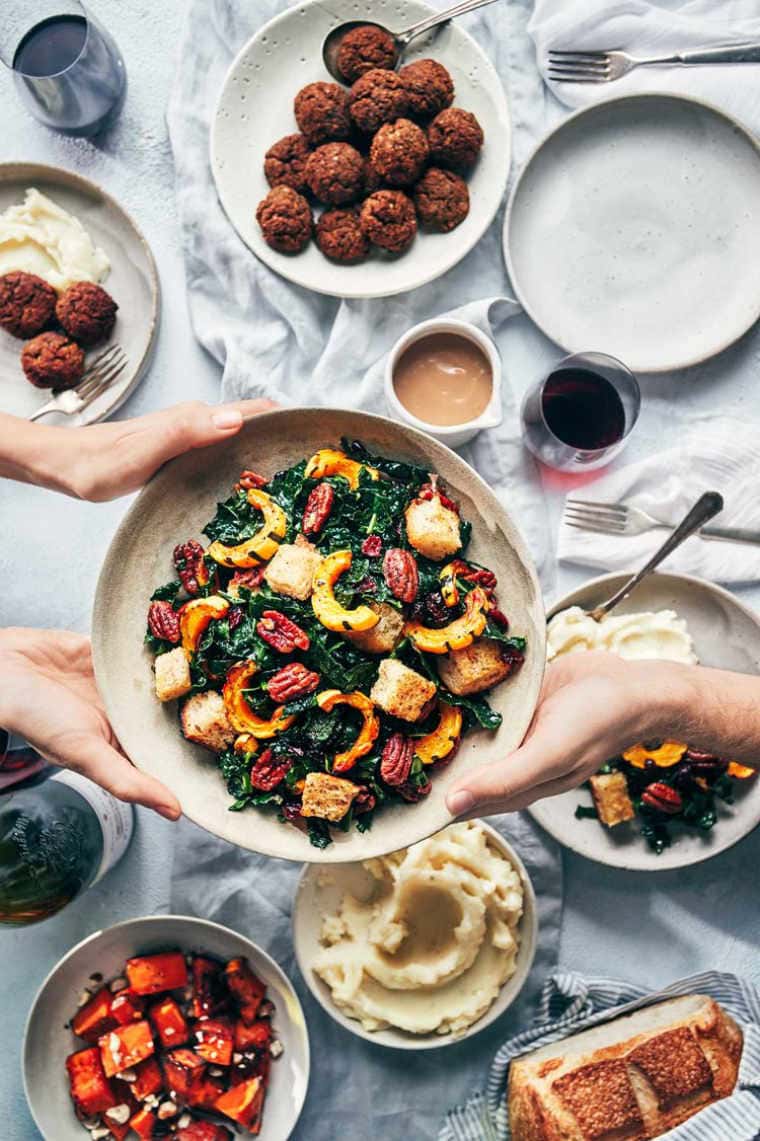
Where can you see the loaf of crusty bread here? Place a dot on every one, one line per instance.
(629, 1079)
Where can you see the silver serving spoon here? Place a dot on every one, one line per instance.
(705, 508)
(401, 39)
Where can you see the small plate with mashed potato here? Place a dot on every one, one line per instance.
(423, 947)
(668, 617)
(64, 229)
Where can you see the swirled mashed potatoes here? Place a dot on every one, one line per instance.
(435, 942)
(650, 634)
(39, 236)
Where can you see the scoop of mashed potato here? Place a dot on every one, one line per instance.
(438, 937)
(650, 634)
(39, 236)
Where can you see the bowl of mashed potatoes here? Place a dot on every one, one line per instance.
(423, 947)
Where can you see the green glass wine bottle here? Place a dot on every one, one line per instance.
(59, 834)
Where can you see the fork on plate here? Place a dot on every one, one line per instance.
(583, 66)
(624, 519)
(100, 375)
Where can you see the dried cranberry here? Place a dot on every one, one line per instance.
(372, 546)
(235, 617)
(367, 585)
(498, 617)
(437, 613)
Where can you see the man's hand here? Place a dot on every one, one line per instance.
(50, 698)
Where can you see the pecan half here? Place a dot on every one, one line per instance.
(280, 633)
(318, 508)
(372, 546)
(268, 770)
(396, 761)
(292, 681)
(662, 797)
(365, 801)
(191, 566)
(163, 621)
(250, 479)
(400, 573)
(252, 578)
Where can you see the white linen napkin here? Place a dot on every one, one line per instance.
(644, 28)
(716, 455)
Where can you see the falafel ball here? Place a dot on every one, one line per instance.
(335, 173)
(387, 218)
(377, 97)
(27, 303)
(52, 360)
(285, 220)
(429, 87)
(441, 199)
(399, 152)
(363, 49)
(455, 137)
(87, 312)
(340, 236)
(372, 178)
(285, 162)
(321, 111)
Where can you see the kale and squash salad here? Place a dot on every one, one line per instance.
(331, 643)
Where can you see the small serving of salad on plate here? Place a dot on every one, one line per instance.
(332, 642)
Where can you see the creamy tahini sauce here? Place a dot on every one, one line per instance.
(444, 379)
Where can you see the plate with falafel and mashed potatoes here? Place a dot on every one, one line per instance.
(661, 804)
(368, 188)
(77, 278)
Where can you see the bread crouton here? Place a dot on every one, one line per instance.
(172, 675)
(401, 692)
(478, 666)
(204, 720)
(611, 799)
(432, 529)
(292, 568)
(327, 797)
(385, 636)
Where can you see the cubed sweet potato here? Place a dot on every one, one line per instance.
(127, 1007)
(150, 974)
(90, 1089)
(95, 1017)
(214, 1040)
(169, 1022)
(203, 1094)
(243, 1103)
(183, 1071)
(203, 1131)
(148, 1079)
(124, 1047)
(118, 1131)
(257, 1036)
(144, 1124)
(210, 994)
(246, 990)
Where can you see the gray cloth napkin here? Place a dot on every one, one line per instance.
(359, 1090)
(570, 1003)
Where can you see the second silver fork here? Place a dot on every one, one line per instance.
(625, 519)
(582, 66)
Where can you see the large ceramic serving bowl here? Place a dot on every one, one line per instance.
(320, 893)
(255, 109)
(174, 506)
(726, 635)
(48, 1039)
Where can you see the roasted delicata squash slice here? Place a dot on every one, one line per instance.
(246, 743)
(330, 461)
(667, 754)
(459, 633)
(195, 616)
(436, 745)
(261, 546)
(326, 606)
(241, 716)
(448, 580)
(367, 736)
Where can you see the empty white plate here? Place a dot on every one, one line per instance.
(634, 229)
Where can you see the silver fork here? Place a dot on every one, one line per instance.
(604, 66)
(99, 376)
(624, 519)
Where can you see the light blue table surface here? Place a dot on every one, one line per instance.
(650, 929)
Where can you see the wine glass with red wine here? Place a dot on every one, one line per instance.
(580, 415)
(67, 69)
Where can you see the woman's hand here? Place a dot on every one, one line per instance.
(592, 706)
(103, 461)
(50, 698)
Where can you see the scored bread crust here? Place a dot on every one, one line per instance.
(630, 1079)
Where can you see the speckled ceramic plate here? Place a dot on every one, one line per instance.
(634, 230)
(320, 892)
(48, 1040)
(726, 635)
(174, 506)
(256, 108)
(132, 281)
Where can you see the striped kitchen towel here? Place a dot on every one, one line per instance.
(570, 1003)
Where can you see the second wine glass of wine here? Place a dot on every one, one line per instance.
(581, 414)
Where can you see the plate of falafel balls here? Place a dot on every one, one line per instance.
(371, 187)
(77, 281)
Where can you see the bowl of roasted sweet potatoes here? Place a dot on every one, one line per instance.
(166, 1027)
